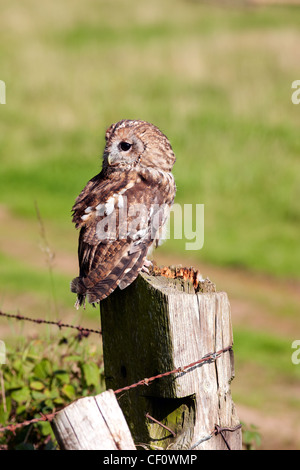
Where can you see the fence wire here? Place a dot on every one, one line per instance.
(82, 331)
(208, 358)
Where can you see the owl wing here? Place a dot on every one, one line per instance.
(115, 217)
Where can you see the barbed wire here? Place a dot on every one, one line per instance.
(82, 330)
(14, 426)
(48, 417)
(208, 358)
(217, 430)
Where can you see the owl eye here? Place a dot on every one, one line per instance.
(125, 146)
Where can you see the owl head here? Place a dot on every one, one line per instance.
(131, 143)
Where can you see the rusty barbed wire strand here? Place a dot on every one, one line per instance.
(217, 430)
(207, 358)
(14, 426)
(59, 323)
(48, 417)
(210, 357)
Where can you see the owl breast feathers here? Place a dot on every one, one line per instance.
(121, 212)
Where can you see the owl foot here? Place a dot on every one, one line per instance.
(147, 265)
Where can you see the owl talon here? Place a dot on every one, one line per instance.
(147, 264)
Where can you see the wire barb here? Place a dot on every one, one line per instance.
(205, 359)
(217, 430)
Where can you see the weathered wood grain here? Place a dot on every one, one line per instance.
(157, 325)
(93, 423)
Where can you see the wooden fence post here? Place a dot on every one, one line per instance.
(157, 325)
(93, 423)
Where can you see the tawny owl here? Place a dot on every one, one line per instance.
(121, 212)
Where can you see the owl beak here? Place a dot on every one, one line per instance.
(112, 160)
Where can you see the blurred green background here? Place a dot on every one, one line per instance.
(216, 79)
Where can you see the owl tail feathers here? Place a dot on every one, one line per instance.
(96, 286)
(78, 287)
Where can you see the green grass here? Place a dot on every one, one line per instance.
(24, 279)
(263, 361)
(272, 353)
(218, 83)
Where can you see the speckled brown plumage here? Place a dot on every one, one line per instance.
(121, 211)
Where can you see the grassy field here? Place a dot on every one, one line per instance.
(217, 81)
